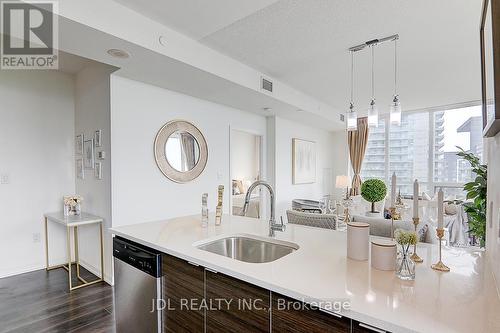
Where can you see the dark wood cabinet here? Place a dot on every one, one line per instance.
(288, 315)
(358, 327)
(183, 292)
(199, 300)
(244, 307)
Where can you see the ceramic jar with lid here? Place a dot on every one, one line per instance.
(358, 234)
(383, 254)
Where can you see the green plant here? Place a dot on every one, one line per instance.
(476, 193)
(405, 238)
(373, 190)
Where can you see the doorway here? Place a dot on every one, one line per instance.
(246, 168)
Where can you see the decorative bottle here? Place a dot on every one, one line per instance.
(204, 210)
(218, 209)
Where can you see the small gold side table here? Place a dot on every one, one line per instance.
(73, 222)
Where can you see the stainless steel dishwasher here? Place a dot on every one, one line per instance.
(137, 287)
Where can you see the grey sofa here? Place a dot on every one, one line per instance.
(326, 221)
(382, 227)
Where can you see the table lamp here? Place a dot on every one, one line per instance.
(343, 182)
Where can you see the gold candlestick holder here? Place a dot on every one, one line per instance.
(439, 266)
(346, 203)
(415, 257)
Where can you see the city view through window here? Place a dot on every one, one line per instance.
(424, 147)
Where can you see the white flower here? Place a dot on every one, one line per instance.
(73, 200)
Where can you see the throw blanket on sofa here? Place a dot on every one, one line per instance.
(457, 227)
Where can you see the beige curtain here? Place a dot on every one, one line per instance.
(358, 141)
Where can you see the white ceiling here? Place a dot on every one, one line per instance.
(304, 43)
(146, 65)
(196, 18)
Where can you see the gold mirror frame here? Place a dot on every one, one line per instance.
(161, 159)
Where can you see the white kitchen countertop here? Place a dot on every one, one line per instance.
(463, 300)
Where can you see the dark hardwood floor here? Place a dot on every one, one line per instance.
(40, 302)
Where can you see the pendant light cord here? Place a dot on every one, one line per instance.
(373, 72)
(395, 67)
(352, 76)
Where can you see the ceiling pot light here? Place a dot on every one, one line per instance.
(352, 115)
(163, 40)
(117, 53)
(268, 109)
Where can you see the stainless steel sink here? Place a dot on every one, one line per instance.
(249, 248)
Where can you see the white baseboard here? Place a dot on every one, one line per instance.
(22, 271)
(32, 268)
(96, 271)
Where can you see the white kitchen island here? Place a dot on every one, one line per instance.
(463, 300)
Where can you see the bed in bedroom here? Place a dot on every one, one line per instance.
(238, 195)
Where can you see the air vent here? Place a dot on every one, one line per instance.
(266, 85)
(342, 117)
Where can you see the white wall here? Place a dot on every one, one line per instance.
(244, 155)
(493, 210)
(140, 191)
(92, 112)
(36, 152)
(331, 160)
(340, 163)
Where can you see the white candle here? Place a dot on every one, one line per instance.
(415, 199)
(393, 190)
(440, 209)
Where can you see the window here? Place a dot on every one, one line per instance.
(374, 161)
(424, 147)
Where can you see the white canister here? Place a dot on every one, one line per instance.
(358, 234)
(384, 254)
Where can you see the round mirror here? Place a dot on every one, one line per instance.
(181, 151)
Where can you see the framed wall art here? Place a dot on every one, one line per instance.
(88, 154)
(303, 161)
(80, 172)
(490, 66)
(79, 144)
(98, 170)
(98, 138)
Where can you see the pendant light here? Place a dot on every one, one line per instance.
(352, 115)
(396, 105)
(373, 110)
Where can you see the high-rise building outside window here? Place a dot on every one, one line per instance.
(424, 147)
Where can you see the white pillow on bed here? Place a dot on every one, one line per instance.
(246, 185)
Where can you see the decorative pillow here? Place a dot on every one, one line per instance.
(422, 233)
(450, 209)
(237, 187)
(245, 185)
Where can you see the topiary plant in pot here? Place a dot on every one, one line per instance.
(373, 190)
